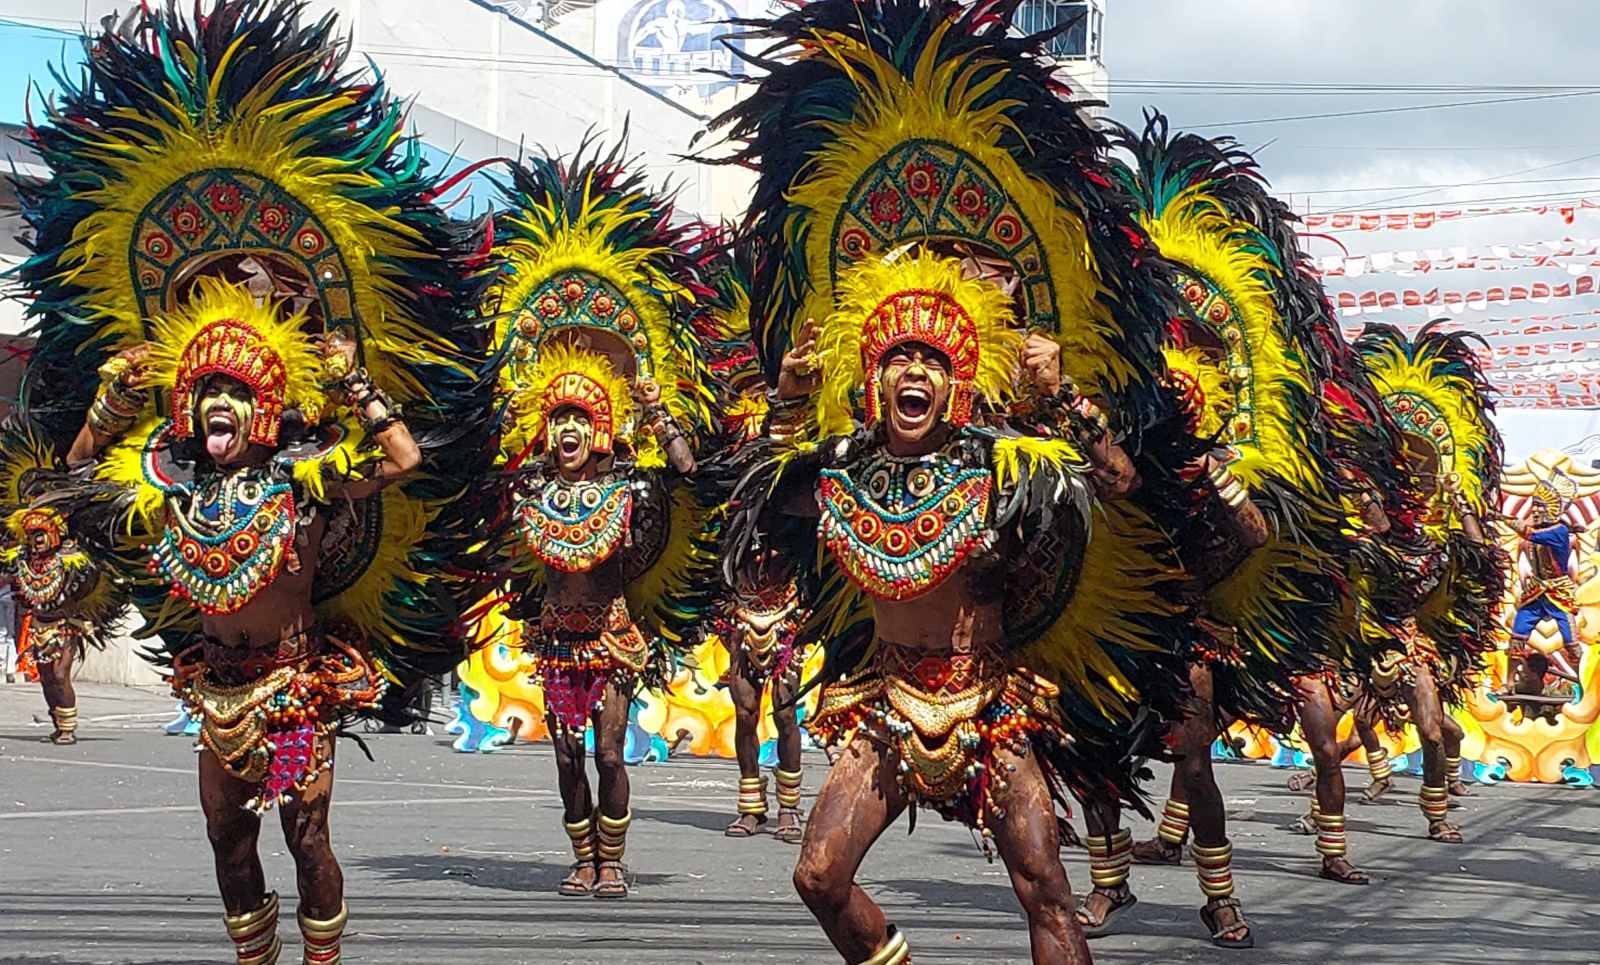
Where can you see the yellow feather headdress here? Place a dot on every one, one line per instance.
(565, 376)
(918, 297)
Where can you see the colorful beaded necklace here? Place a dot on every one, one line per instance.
(230, 542)
(899, 526)
(42, 581)
(576, 526)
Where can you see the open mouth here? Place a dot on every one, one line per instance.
(913, 403)
(222, 430)
(569, 444)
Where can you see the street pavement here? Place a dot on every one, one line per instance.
(454, 858)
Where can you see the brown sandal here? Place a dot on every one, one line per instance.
(1444, 832)
(738, 829)
(573, 886)
(1354, 876)
(1208, 917)
(612, 887)
(1119, 905)
(789, 834)
(1303, 781)
(1157, 851)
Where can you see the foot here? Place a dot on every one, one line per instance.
(788, 830)
(1305, 824)
(1227, 923)
(613, 881)
(1157, 851)
(746, 825)
(1101, 907)
(1444, 832)
(579, 882)
(1376, 790)
(1066, 834)
(1458, 788)
(63, 739)
(1302, 781)
(1341, 870)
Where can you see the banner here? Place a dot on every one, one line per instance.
(1422, 220)
(1372, 302)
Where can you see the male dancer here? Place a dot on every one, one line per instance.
(1547, 592)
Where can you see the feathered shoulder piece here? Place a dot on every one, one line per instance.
(589, 254)
(233, 144)
(882, 124)
(1436, 389)
(1245, 318)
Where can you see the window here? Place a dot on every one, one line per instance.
(1080, 40)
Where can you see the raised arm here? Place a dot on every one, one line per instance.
(660, 422)
(1058, 402)
(121, 398)
(378, 415)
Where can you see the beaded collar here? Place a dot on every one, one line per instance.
(229, 540)
(576, 526)
(900, 526)
(42, 581)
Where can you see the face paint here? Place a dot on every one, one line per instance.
(914, 389)
(571, 436)
(223, 415)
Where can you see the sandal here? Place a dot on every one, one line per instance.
(1208, 917)
(1157, 851)
(1444, 832)
(612, 887)
(1119, 904)
(738, 829)
(1351, 876)
(573, 885)
(788, 833)
(1303, 781)
(63, 740)
(1375, 791)
(1304, 824)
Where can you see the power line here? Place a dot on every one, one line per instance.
(1393, 110)
(1491, 178)
(1412, 187)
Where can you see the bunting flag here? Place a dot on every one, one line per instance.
(1500, 327)
(1572, 258)
(1371, 302)
(1422, 220)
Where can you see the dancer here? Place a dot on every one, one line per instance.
(1434, 387)
(68, 595)
(277, 289)
(606, 394)
(760, 618)
(1272, 604)
(981, 649)
(1548, 592)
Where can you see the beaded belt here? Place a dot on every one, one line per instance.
(247, 662)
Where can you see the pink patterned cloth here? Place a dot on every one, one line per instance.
(573, 695)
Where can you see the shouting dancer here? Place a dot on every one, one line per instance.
(244, 226)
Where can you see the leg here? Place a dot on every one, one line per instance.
(746, 747)
(1110, 849)
(1208, 820)
(1319, 721)
(858, 800)
(577, 809)
(613, 816)
(1452, 736)
(1026, 839)
(1427, 713)
(1378, 765)
(1172, 831)
(251, 914)
(321, 882)
(56, 679)
(788, 774)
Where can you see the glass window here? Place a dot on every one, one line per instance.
(1081, 39)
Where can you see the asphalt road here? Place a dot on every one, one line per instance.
(453, 858)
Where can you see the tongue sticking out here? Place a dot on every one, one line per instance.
(219, 441)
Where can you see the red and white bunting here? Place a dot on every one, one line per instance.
(1372, 302)
(1422, 220)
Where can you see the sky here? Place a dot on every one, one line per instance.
(1391, 162)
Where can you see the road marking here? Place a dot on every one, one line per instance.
(191, 808)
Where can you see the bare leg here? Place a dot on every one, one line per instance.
(55, 678)
(610, 735)
(1377, 756)
(1208, 816)
(1319, 721)
(785, 719)
(859, 799)
(305, 831)
(746, 748)
(1027, 842)
(233, 831)
(1427, 713)
(1110, 854)
(577, 803)
(1452, 735)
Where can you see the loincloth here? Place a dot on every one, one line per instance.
(760, 631)
(49, 640)
(267, 712)
(1394, 674)
(579, 651)
(944, 716)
